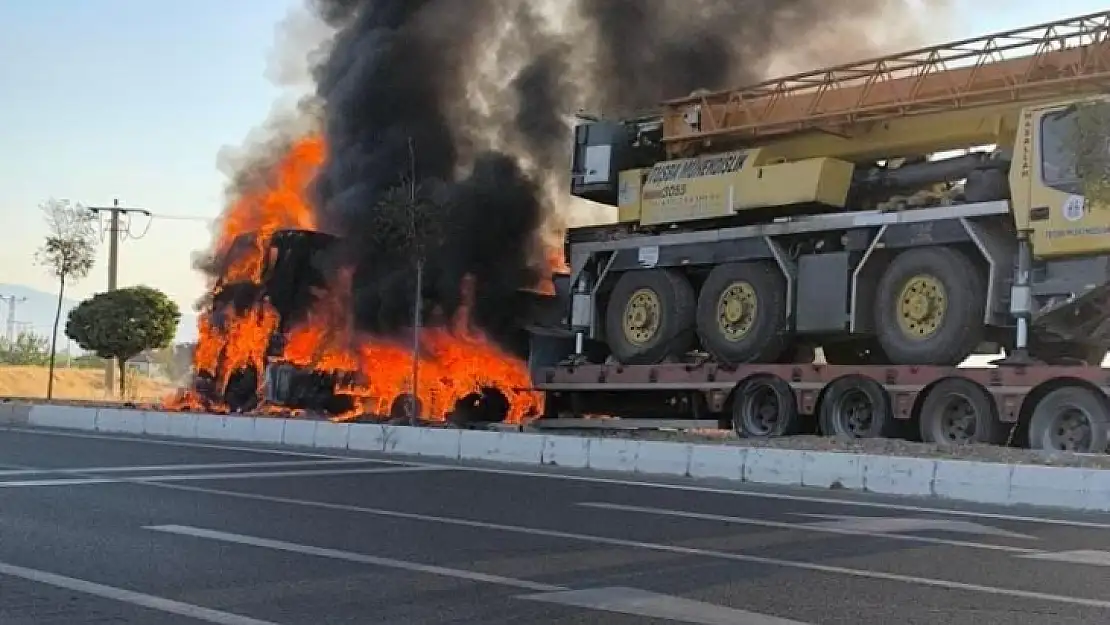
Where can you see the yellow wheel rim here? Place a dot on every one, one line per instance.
(642, 315)
(736, 311)
(922, 306)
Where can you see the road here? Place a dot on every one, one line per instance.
(99, 529)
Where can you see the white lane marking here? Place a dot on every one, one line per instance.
(74, 481)
(131, 597)
(891, 525)
(555, 475)
(654, 605)
(1090, 557)
(617, 599)
(336, 554)
(199, 477)
(660, 547)
(183, 444)
(806, 527)
(184, 467)
(269, 474)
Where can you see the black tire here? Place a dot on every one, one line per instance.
(854, 352)
(764, 406)
(767, 337)
(1070, 418)
(675, 332)
(401, 409)
(958, 412)
(961, 328)
(856, 407)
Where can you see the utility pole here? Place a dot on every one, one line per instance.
(12, 300)
(417, 313)
(114, 211)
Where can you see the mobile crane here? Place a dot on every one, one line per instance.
(820, 210)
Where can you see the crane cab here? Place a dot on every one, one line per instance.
(1060, 178)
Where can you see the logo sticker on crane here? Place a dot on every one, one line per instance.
(1074, 207)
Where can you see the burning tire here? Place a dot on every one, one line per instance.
(929, 309)
(765, 407)
(650, 316)
(958, 412)
(241, 392)
(404, 406)
(489, 405)
(1070, 418)
(741, 314)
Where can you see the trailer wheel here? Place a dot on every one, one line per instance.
(929, 308)
(741, 315)
(856, 407)
(957, 412)
(1071, 418)
(650, 316)
(765, 407)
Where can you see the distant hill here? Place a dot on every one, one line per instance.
(36, 314)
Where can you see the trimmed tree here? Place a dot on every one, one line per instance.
(68, 253)
(122, 324)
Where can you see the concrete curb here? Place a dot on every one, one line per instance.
(977, 482)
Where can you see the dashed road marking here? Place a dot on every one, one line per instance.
(846, 529)
(658, 547)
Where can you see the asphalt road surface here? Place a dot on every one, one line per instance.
(98, 529)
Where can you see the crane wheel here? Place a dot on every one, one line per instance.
(856, 407)
(741, 314)
(958, 412)
(929, 308)
(1071, 418)
(764, 406)
(650, 316)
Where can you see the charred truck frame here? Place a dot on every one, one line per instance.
(835, 210)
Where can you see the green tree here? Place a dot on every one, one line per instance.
(28, 349)
(122, 324)
(1088, 150)
(68, 253)
(89, 361)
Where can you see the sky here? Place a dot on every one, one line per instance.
(133, 100)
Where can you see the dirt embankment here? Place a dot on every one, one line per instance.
(82, 384)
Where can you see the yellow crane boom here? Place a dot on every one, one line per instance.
(1070, 56)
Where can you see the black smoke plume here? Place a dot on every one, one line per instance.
(392, 88)
(465, 104)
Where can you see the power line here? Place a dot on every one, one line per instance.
(115, 211)
(181, 217)
(120, 228)
(12, 300)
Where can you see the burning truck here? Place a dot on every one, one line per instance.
(277, 333)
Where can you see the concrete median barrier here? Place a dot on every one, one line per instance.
(1072, 488)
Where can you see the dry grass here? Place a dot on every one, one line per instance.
(87, 384)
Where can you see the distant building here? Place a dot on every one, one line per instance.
(144, 364)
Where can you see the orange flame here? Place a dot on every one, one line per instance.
(454, 362)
